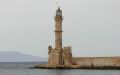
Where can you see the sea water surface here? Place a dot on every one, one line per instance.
(21, 68)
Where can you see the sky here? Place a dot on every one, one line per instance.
(91, 27)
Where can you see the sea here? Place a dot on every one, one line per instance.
(24, 68)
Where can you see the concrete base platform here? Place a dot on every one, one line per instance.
(45, 66)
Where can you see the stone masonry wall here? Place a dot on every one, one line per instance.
(67, 56)
(97, 61)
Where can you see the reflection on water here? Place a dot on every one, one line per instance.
(57, 72)
(81, 72)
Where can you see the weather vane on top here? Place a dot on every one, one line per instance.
(58, 3)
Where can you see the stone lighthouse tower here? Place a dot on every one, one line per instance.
(58, 29)
(55, 54)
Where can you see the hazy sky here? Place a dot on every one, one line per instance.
(91, 27)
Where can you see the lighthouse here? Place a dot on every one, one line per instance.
(55, 54)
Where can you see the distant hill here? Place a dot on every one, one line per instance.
(12, 56)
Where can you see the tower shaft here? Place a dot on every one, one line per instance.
(58, 34)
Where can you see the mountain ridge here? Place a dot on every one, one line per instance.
(13, 56)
